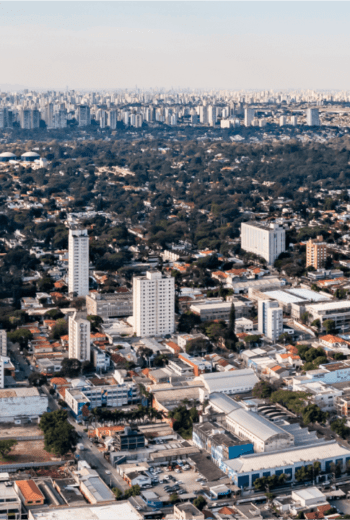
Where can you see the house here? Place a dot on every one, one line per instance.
(29, 493)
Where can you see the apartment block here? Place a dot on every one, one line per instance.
(79, 337)
(109, 305)
(264, 239)
(316, 252)
(78, 262)
(270, 319)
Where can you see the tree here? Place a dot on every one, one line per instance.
(304, 317)
(59, 329)
(71, 367)
(174, 498)
(118, 494)
(60, 436)
(199, 502)
(312, 413)
(95, 322)
(339, 427)
(340, 293)
(6, 447)
(132, 492)
(262, 390)
(37, 379)
(188, 320)
(329, 325)
(21, 336)
(316, 323)
(45, 284)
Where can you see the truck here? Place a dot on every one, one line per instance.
(80, 446)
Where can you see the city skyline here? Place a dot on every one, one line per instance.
(230, 45)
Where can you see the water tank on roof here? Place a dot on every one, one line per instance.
(127, 430)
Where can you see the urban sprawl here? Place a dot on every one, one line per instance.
(174, 305)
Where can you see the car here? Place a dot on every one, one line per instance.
(182, 492)
(161, 481)
(108, 472)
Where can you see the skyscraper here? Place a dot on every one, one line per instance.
(249, 114)
(312, 117)
(270, 319)
(153, 304)
(78, 337)
(78, 262)
(84, 116)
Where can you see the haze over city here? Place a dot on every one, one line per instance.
(238, 45)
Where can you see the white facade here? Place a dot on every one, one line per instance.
(265, 240)
(249, 114)
(79, 338)
(153, 304)
(22, 404)
(270, 319)
(2, 372)
(3, 343)
(78, 262)
(312, 117)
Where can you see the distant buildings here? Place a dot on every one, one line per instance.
(79, 338)
(316, 253)
(249, 114)
(270, 319)
(78, 262)
(267, 240)
(3, 343)
(312, 117)
(84, 116)
(153, 304)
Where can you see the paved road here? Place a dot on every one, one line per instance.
(19, 361)
(95, 458)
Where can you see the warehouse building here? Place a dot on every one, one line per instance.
(22, 405)
(246, 469)
(232, 382)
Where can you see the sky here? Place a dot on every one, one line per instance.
(199, 44)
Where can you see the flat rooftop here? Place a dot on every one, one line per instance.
(121, 510)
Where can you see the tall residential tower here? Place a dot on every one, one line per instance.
(78, 262)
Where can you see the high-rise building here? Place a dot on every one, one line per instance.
(267, 240)
(249, 114)
(25, 118)
(2, 372)
(312, 117)
(78, 337)
(112, 119)
(212, 116)
(48, 115)
(283, 120)
(203, 114)
(316, 252)
(270, 319)
(84, 116)
(3, 343)
(153, 304)
(78, 262)
(35, 118)
(294, 120)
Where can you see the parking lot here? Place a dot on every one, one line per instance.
(185, 481)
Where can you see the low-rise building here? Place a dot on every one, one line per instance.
(232, 382)
(110, 305)
(21, 405)
(219, 310)
(29, 493)
(10, 502)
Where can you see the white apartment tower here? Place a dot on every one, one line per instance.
(78, 262)
(312, 117)
(3, 343)
(267, 240)
(84, 116)
(78, 337)
(2, 372)
(249, 114)
(270, 319)
(153, 304)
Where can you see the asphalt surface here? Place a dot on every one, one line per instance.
(19, 361)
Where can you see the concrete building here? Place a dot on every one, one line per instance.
(153, 304)
(84, 116)
(79, 337)
(312, 117)
(78, 262)
(249, 114)
(3, 343)
(338, 311)
(316, 252)
(109, 305)
(22, 405)
(29, 492)
(267, 240)
(232, 382)
(122, 510)
(270, 319)
(10, 502)
(219, 310)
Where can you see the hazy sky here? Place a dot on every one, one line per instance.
(238, 45)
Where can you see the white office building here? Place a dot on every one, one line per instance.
(3, 343)
(267, 240)
(249, 114)
(212, 116)
(78, 262)
(312, 117)
(270, 319)
(153, 304)
(203, 114)
(79, 337)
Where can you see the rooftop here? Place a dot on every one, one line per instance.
(122, 510)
